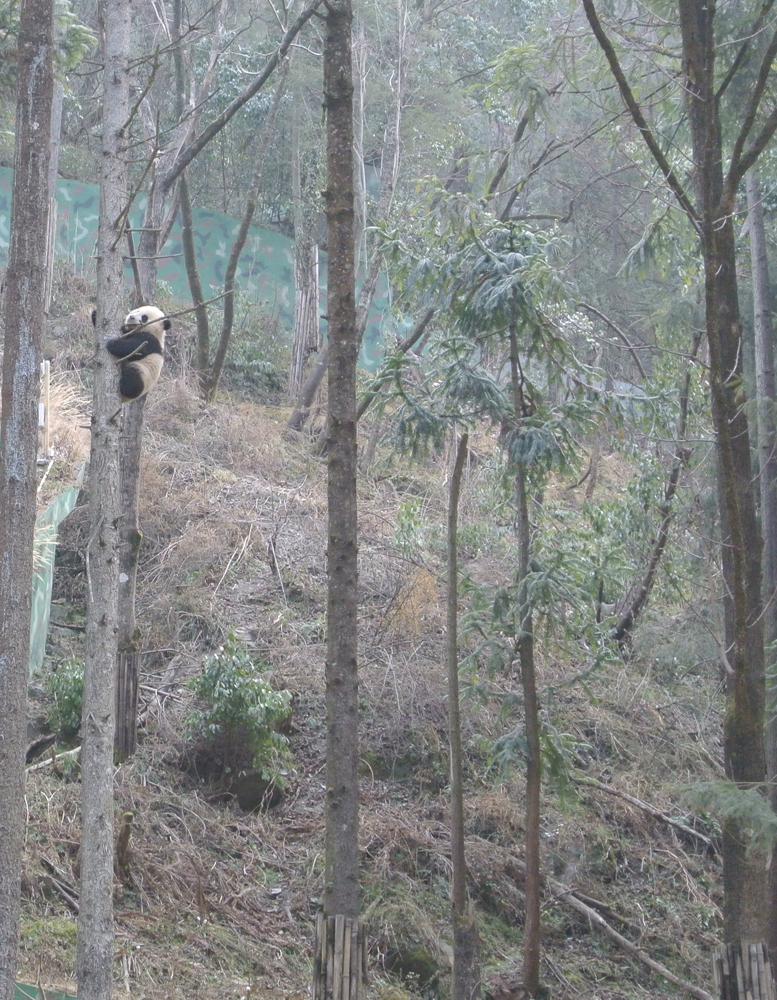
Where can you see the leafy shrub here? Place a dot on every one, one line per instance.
(66, 686)
(235, 728)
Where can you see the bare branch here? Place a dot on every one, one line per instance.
(636, 113)
(194, 148)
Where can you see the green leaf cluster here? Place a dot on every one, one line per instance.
(239, 710)
(65, 686)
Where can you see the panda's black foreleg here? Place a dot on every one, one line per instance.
(131, 345)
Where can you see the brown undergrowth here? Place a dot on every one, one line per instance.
(212, 902)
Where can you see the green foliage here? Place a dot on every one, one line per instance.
(239, 711)
(747, 808)
(72, 41)
(66, 686)
(257, 354)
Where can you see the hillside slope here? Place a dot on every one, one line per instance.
(214, 902)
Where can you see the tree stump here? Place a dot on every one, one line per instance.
(743, 972)
(340, 960)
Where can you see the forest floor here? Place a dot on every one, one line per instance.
(214, 902)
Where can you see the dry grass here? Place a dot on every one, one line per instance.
(214, 901)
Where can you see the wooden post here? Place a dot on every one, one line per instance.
(340, 958)
(743, 972)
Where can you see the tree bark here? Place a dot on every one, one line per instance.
(341, 890)
(466, 972)
(95, 922)
(305, 338)
(524, 644)
(389, 172)
(130, 539)
(22, 349)
(766, 397)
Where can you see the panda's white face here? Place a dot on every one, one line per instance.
(148, 317)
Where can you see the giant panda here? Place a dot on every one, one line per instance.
(140, 349)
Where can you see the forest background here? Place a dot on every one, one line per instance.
(550, 278)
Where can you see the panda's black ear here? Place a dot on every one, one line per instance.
(94, 317)
(166, 324)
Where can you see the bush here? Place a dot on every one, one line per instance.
(235, 728)
(66, 686)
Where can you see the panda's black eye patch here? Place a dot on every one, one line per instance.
(144, 317)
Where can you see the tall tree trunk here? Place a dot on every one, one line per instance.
(466, 972)
(25, 283)
(744, 877)
(744, 909)
(95, 922)
(333, 976)
(341, 891)
(767, 451)
(524, 644)
(389, 172)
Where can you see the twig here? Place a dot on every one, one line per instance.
(598, 921)
(52, 760)
(651, 810)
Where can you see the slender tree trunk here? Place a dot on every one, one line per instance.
(25, 283)
(466, 973)
(264, 143)
(195, 285)
(389, 172)
(341, 890)
(305, 339)
(767, 451)
(628, 618)
(130, 538)
(525, 650)
(95, 922)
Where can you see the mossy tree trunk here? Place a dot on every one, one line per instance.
(24, 298)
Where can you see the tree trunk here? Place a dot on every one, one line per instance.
(95, 921)
(639, 598)
(389, 171)
(466, 972)
(767, 452)
(25, 283)
(744, 876)
(263, 144)
(525, 649)
(341, 891)
(305, 339)
(744, 882)
(341, 883)
(130, 538)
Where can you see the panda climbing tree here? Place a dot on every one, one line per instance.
(140, 350)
